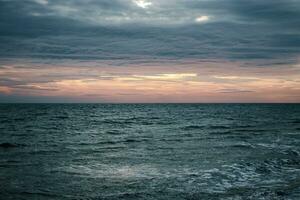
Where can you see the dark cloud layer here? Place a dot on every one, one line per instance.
(120, 29)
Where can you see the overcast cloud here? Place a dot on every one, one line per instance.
(150, 29)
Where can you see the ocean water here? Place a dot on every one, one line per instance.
(150, 151)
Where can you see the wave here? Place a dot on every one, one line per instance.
(220, 133)
(219, 127)
(7, 145)
(41, 194)
(62, 117)
(297, 121)
(192, 127)
(243, 146)
(114, 132)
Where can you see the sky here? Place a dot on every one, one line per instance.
(149, 51)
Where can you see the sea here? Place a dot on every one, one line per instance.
(150, 151)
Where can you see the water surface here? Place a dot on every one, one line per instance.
(150, 151)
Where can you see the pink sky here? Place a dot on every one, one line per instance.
(183, 81)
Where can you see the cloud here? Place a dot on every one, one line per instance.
(201, 19)
(131, 31)
(232, 90)
(150, 50)
(185, 81)
(42, 2)
(142, 3)
(167, 77)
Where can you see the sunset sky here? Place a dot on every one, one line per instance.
(149, 51)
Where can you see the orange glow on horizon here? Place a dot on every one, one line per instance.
(196, 82)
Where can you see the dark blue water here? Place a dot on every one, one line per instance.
(150, 151)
